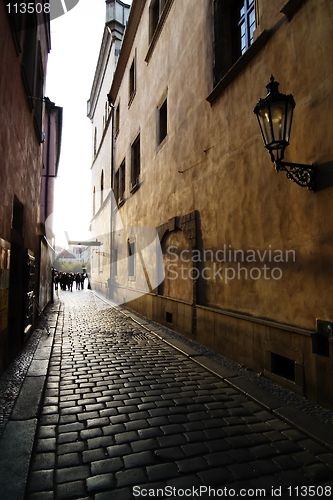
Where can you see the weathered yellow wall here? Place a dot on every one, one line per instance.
(102, 121)
(240, 201)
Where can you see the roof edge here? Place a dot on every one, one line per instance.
(130, 32)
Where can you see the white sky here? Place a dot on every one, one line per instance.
(75, 43)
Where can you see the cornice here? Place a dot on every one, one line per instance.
(102, 62)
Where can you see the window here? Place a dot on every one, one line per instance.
(234, 24)
(131, 259)
(154, 15)
(135, 166)
(102, 186)
(116, 186)
(95, 141)
(162, 126)
(155, 10)
(117, 120)
(284, 367)
(246, 24)
(122, 181)
(132, 81)
(119, 184)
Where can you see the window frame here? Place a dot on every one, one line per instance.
(120, 184)
(102, 188)
(135, 163)
(132, 80)
(155, 28)
(228, 22)
(162, 121)
(95, 142)
(131, 263)
(248, 7)
(117, 120)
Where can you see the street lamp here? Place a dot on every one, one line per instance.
(275, 114)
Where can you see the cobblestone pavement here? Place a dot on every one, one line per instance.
(126, 416)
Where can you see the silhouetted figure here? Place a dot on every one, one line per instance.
(56, 280)
(78, 281)
(70, 281)
(63, 281)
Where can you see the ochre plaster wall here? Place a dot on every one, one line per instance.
(229, 181)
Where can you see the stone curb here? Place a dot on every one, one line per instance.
(298, 419)
(17, 441)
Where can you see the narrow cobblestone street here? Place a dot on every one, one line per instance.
(125, 413)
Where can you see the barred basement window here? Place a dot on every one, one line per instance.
(168, 317)
(284, 367)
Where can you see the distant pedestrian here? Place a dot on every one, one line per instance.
(70, 281)
(56, 280)
(63, 281)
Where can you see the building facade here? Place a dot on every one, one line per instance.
(100, 113)
(51, 158)
(25, 43)
(246, 251)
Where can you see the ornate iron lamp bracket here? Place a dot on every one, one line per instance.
(303, 175)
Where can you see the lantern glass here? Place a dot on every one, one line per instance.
(263, 118)
(274, 115)
(289, 117)
(278, 124)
